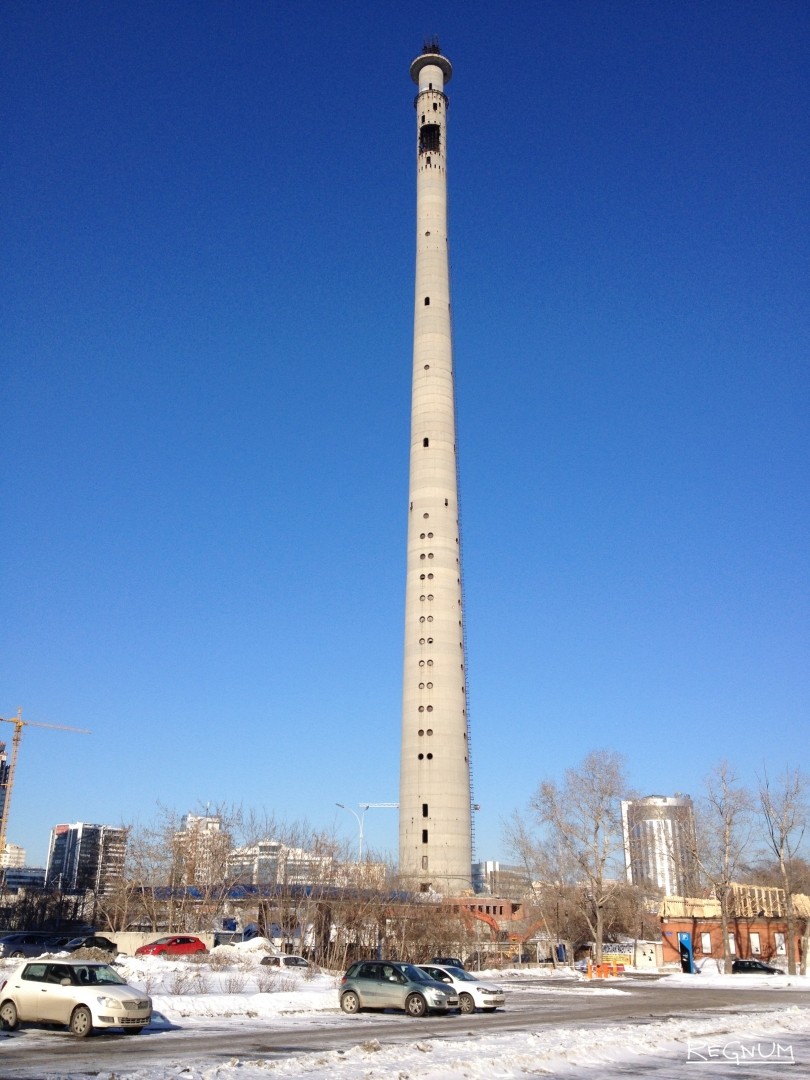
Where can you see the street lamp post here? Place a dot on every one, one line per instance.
(359, 819)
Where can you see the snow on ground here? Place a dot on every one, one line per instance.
(232, 986)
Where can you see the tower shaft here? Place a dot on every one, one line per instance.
(435, 834)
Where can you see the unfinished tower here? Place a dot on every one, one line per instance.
(435, 824)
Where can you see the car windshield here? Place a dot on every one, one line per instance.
(99, 974)
(415, 974)
(460, 973)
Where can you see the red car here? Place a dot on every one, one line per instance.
(177, 945)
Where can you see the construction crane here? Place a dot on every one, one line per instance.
(7, 784)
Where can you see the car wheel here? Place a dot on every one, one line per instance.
(466, 1003)
(415, 1005)
(18, 955)
(350, 1002)
(8, 1016)
(81, 1022)
(132, 1030)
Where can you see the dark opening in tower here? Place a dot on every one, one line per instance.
(429, 138)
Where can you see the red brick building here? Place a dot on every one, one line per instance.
(757, 927)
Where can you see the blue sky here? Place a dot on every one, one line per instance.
(206, 310)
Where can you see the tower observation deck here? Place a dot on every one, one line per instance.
(435, 821)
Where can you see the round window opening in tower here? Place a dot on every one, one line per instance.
(425, 515)
(421, 731)
(430, 757)
(421, 708)
(429, 685)
(430, 731)
(421, 757)
(430, 596)
(430, 708)
(430, 577)
(429, 618)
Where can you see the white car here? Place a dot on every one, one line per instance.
(284, 960)
(473, 993)
(80, 994)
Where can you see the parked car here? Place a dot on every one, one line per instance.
(80, 994)
(285, 960)
(472, 993)
(390, 984)
(753, 967)
(26, 943)
(174, 945)
(89, 941)
(450, 961)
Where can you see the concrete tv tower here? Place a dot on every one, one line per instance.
(435, 820)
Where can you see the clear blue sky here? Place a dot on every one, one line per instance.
(206, 335)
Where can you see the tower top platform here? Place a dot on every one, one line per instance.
(431, 56)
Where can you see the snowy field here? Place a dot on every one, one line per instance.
(231, 988)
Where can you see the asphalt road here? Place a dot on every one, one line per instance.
(36, 1053)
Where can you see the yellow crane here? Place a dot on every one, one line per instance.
(7, 785)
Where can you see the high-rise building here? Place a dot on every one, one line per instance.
(5, 771)
(272, 863)
(659, 844)
(83, 857)
(435, 819)
(200, 850)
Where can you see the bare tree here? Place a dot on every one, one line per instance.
(784, 811)
(724, 827)
(582, 820)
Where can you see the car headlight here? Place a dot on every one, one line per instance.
(108, 1002)
(435, 996)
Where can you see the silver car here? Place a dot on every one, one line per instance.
(81, 995)
(391, 984)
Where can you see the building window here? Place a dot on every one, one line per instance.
(424, 809)
(779, 943)
(754, 942)
(424, 867)
(427, 301)
(430, 757)
(706, 944)
(425, 442)
(732, 945)
(424, 836)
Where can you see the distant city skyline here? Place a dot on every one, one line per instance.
(207, 320)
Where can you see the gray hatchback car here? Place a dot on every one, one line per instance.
(391, 984)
